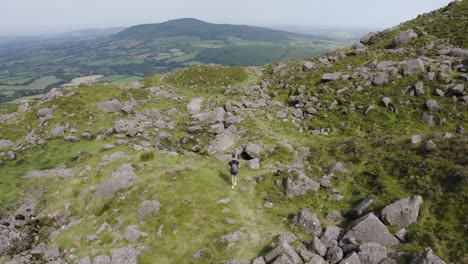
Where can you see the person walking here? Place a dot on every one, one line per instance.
(234, 169)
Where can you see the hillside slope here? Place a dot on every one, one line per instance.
(357, 156)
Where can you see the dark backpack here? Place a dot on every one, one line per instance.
(234, 167)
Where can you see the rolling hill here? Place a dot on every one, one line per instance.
(146, 49)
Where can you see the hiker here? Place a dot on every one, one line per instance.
(234, 169)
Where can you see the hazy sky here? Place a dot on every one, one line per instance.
(19, 17)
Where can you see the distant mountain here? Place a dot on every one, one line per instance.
(89, 33)
(205, 31)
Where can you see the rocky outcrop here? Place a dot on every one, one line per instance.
(308, 221)
(371, 253)
(59, 172)
(112, 106)
(125, 255)
(369, 229)
(5, 143)
(148, 208)
(284, 251)
(403, 212)
(426, 256)
(404, 38)
(300, 186)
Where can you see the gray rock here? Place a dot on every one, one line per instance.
(301, 186)
(331, 76)
(113, 157)
(128, 109)
(369, 229)
(125, 255)
(428, 120)
(308, 221)
(59, 172)
(308, 66)
(259, 260)
(278, 68)
(380, 79)
(121, 178)
(414, 67)
(287, 237)
(71, 138)
(334, 255)
(282, 114)
(232, 261)
(194, 106)
(432, 105)
(369, 108)
(419, 89)
(415, 139)
(5, 143)
(147, 208)
(331, 236)
(334, 216)
(132, 234)
(338, 167)
(232, 237)
(458, 52)
(57, 131)
(458, 89)
(366, 40)
(283, 249)
(426, 256)
(316, 259)
(252, 150)
(253, 164)
(429, 145)
(351, 259)
(372, 253)
(361, 207)
(221, 142)
(44, 112)
(282, 259)
(386, 101)
(404, 38)
(335, 197)
(213, 117)
(112, 106)
(318, 247)
(136, 85)
(102, 259)
(460, 129)
(401, 234)
(403, 212)
(305, 254)
(86, 136)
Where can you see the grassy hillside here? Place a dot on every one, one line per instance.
(361, 106)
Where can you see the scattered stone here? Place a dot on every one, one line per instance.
(132, 234)
(351, 259)
(128, 109)
(102, 259)
(331, 76)
(403, 212)
(301, 186)
(108, 147)
(147, 208)
(225, 200)
(419, 89)
(194, 106)
(335, 197)
(335, 217)
(366, 40)
(231, 237)
(253, 164)
(59, 172)
(401, 234)
(369, 229)
(386, 101)
(85, 260)
(57, 131)
(87, 136)
(334, 255)
(361, 207)
(259, 260)
(426, 256)
(415, 139)
(369, 108)
(308, 221)
(338, 167)
(5, 143)
(268, 205)
(287, 237)
(126, 255)
(112, 106)
(308, 66)
(121, 178)
(71, 138)
(430, 145)
(432, 105)
(428, 120)
(414, 67)
(460, 129)
(371, 253)
(113, 157)
(404, 38)
(458, 89)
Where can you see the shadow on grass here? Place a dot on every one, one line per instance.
(226, 177)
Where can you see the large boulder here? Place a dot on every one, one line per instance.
(371, 253)
(366, 40)
(432, 105)
(194, 106)
(351, 259)
(252, 150)
(331, 236)
(220, 143)
(414, 67)
(308, 221)
(370, 229)
(361, 207)
(121, 178)
(132, 234)
(57, 131)
(334, 255)
(404, 38)
(213, 117)
(300, 186)
(331, 76)
(403, 212)
(426, 256)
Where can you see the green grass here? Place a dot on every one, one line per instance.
(120, 78)
(38, 84)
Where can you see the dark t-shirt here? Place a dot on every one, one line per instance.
(232, 162)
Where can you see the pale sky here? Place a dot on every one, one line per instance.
(21, 17)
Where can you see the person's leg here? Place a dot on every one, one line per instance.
(235, 180)
(232, 180)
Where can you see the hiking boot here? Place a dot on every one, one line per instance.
(232, 186)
